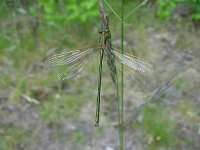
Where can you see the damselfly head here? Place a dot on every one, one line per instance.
(105, 32)
(104, 16)
(100, 31)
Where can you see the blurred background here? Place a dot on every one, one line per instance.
(39, 112)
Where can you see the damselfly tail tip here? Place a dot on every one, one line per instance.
(96, 124)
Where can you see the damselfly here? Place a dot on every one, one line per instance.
(74, 61)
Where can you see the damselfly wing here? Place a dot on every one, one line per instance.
(70, 63)
(73, 62)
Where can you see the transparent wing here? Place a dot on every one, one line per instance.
(141, 65)
(137, 71)
(67, 58)
(70, 63)
(72, 70)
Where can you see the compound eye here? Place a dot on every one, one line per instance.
(106, 31)
(100, 32)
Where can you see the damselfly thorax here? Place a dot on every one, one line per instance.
(105, 34)
(104, 39)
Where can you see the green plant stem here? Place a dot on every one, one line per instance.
(121, 127)
(119, 114)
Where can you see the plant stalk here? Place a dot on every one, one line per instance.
(121, 127)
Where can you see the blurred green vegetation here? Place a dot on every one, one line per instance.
(14, 138)
(31, 30)
(166, 7)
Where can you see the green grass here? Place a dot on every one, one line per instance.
(79, 137)
(157, 126)
(182, 82)
(59, 107)
(14, 137)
